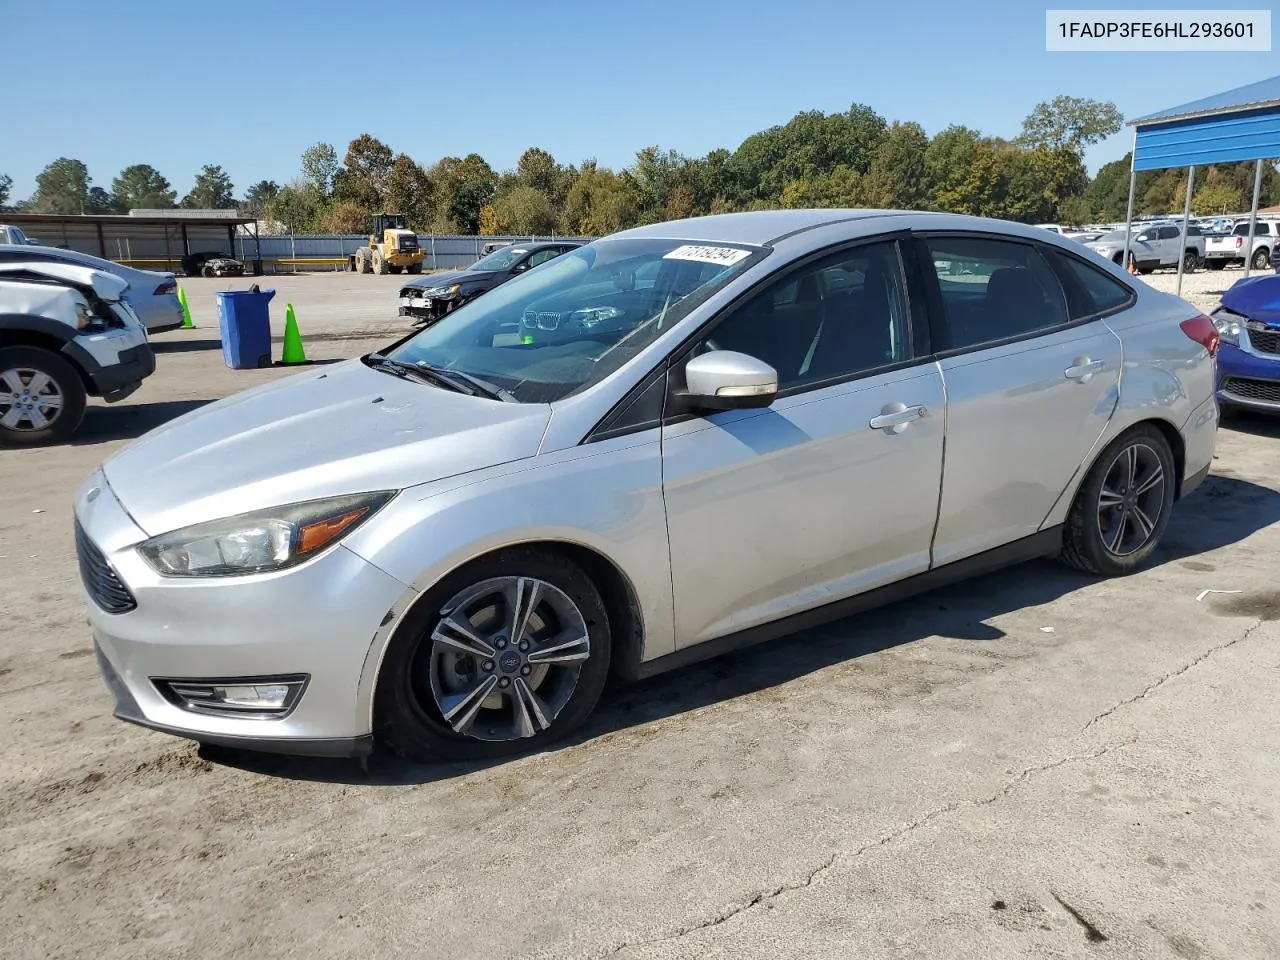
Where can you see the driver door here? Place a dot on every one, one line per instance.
(832, 490)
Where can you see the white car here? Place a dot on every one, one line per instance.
(153, 294)
(65, 333)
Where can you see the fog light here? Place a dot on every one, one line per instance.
(247, 697)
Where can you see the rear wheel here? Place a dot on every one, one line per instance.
(42, 399)
(379, 264)
(1261, 259)
(206, 271)
(413, 268)
(1122, 508)
(505, 655)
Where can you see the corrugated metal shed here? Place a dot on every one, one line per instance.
(1240, 124)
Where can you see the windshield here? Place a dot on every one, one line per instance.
(499, 259)
(576, 319)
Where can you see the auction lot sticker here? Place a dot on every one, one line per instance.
(722, 256)
(1177, 30)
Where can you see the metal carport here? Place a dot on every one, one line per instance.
(1240, 124)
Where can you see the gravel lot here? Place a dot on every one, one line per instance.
(1033, 764)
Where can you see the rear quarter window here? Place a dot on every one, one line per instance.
(1090, 291)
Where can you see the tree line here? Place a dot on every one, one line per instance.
(853, 158)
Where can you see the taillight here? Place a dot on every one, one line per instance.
(169, 286)
(1202, 331)
(1239, 242)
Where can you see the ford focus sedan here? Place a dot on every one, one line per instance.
(666, 444)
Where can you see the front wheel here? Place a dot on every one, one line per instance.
(1122, 508)
(1190, 261)
(505, 655)
(42, 399)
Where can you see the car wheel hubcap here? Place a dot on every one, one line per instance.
(1131, 500)
(30, 399)
(504, 658)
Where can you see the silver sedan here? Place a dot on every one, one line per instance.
(669, 443)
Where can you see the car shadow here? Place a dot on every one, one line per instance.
(107, 423)
(1223, 511)
(1250, 422)
(184, 346)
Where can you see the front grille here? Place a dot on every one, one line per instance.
(546, 320)
(1265, 341)
(1247, 388)
(104, 587)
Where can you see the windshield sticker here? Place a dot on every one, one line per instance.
(721, 256)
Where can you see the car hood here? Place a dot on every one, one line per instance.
(1257, 298)
(448, 277)
(343, 429)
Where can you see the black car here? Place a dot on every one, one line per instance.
(430, 297)
(211, 263)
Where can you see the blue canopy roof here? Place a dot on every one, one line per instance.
(1241, 124)
(1263, 93)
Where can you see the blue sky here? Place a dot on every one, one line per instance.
(176, 85)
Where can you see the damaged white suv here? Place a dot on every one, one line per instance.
(66, 333)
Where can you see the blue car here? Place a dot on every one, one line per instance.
(1248, 322)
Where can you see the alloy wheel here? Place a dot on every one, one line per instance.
(30, 399)
(1131, 499)
(504, 658)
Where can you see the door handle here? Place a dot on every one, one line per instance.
(897, 415)
(1083, 369)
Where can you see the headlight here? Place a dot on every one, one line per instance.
(591, 316)
(262, 541)
(1227, 325)
(442, 291)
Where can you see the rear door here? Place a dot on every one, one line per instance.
(1030, 387)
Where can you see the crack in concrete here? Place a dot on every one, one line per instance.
(1155, 685)
(765, 896)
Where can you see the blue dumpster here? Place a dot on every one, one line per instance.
(245, 323)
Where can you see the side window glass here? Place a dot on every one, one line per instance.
(994, 289)
(542, 256)
(1089, 290)
(810, 332)
(1168, 233)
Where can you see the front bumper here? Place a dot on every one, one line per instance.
(1247, 380)
(432, 309)
(328, 618)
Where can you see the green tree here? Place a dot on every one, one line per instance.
(1108, 192)
(141, 187)
(462, 186)
(363, 176)
(523, 209)
(346, 218)
(212, 190)
(259, 198)
(600, 202)
(680, 204)
(61, 187)
(947, 162)
(99, 201)
(897, 177)
(408, 191)
(1074, 211)
(319, 164)
(1070, 123)
(1216, 197)
(6, 182)
(538, 169)
(296, 207)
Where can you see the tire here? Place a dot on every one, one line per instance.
(362, 262)
(1190, 261)
(393, 268)
(1086, 544)
(1146, 270)
(22, 367)
(206, 271)
(1261, 259)
(419, 671)
(1215, 264)
(413, 268)
(379, 265)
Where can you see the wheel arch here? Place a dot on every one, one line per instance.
(43, 333)
(621, 603)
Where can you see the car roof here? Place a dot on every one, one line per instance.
(758, 227)
(97, 262)
(67, 272)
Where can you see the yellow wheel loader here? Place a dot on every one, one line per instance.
(392, 248)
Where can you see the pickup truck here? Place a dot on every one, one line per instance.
(1231, 248)
(10, 234)
(1152, 247)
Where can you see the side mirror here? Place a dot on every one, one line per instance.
(520, 267)
(1143, 237)
(728, 380)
